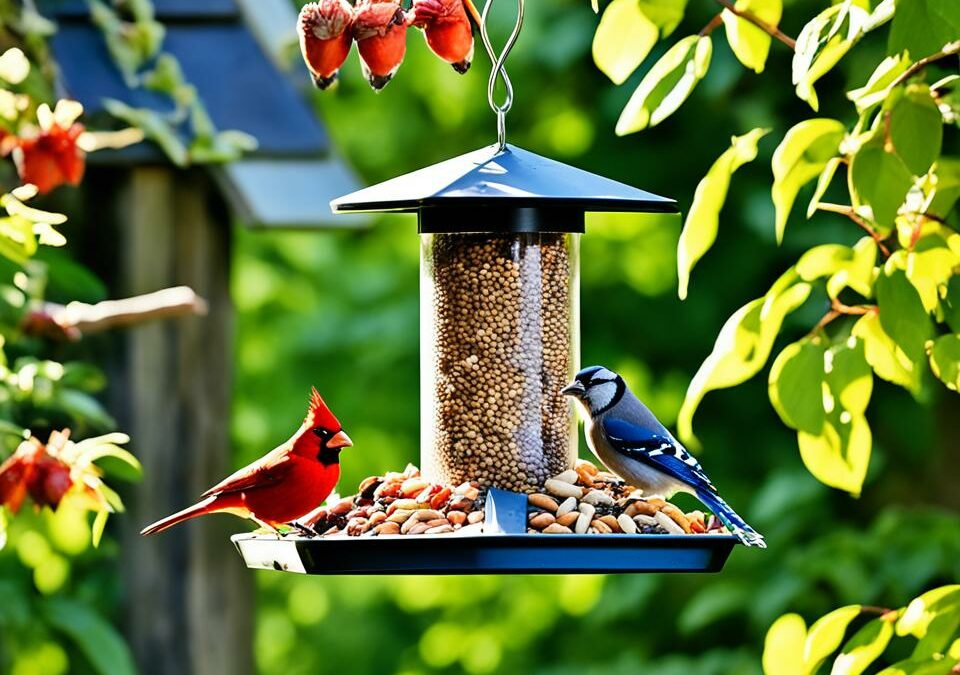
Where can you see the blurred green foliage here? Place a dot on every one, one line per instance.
(339, 310)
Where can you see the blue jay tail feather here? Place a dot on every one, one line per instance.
(729, 517)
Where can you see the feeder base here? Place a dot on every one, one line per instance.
(503, 548)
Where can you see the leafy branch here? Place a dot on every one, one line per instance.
(747, 15)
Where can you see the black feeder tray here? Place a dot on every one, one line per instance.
(499, 191)
(504, 547)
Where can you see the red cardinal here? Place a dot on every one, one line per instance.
(325, 38)
(380, 28)
(282, 486)
(447, 29)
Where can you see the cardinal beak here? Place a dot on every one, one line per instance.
(339, 440)
(575, 388)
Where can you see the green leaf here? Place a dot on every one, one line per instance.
(99, 523)
(826, 635)
(864, 648)
(951, 304)
(876, 88)
(783, 647)
(667, 84)
(939, 634)
(888, 361)
(99, 642)
(801, 156)
(666, 14)
(749, 43)
(946, 189)
(920, 666)
(700, 229)
(902, 314)
(930, 268)
(845, 266)
(742, 347)
(922, 610)
(623, 39)
(154, 126)
(822, 43)
(945, 360)
(880, 180)
(915, 128)
(839, 454)
(923, 27)
(823, 182)
(795, 385)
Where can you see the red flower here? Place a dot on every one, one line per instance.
(35, 469)
(51, 158)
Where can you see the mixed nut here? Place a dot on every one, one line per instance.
(400, 503)
(587, 500)
(581, 500)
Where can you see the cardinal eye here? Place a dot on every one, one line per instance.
(321, 433)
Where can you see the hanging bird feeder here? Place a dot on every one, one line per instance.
(499, 230)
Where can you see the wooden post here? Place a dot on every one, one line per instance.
(188, 598)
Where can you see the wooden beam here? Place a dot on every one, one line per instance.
(188, 598)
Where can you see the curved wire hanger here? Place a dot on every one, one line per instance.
(499, 71)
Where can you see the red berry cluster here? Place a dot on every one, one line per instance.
(329, 27)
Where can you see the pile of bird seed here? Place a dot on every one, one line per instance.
(400, 503)
(586, 500)
(497, 354)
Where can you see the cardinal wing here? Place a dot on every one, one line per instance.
(269, 469)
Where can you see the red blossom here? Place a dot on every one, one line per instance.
(35, 469)
(51, 157)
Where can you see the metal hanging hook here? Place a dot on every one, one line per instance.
(498, 69)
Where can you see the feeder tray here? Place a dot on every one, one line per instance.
(504, 547)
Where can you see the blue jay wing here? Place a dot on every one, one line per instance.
(661, 452)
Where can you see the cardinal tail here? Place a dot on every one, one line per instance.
(729, 517)
(208, 505)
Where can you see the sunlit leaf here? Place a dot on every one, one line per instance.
(923, 27)
(795, 385)
(888, 361)
(930, 266)
(920, 666)
(99, 523)
(826, 635)
(875, 90)
(667, 84)
(822, 43)
(880, 180)
(700, 229)
(864, 648)
(945, 360)
(801, 156)
(784, 645)
(844, 266)
(924, 609)
(666, 14)
(915, 128)
(623, 39)
(823, 182)
(749, 43)
(742, 347)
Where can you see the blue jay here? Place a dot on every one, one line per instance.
(624, 435)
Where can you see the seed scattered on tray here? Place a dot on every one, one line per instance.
(400, 503)
(585, 500)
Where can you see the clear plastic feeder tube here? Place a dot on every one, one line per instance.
(499, 340)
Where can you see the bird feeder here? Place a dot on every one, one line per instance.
(499, 330)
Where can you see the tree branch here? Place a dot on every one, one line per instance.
(771, 30)
(949, 49)
(72, 321)
(855, 217)
(712, 26)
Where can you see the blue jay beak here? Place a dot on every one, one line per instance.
(575, 388)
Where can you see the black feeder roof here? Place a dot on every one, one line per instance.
(241, 87)
(510, 189)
